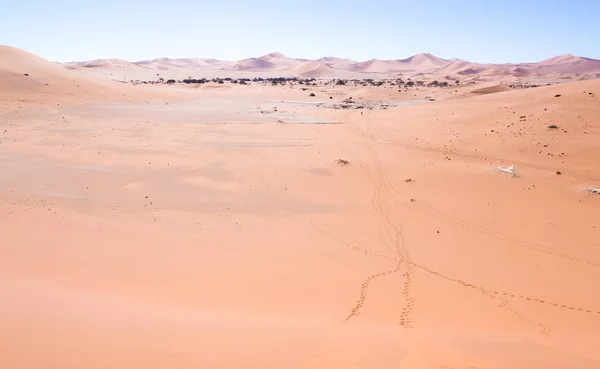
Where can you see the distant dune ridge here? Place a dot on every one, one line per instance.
(24, 72)
(104, 63)
(425, 64)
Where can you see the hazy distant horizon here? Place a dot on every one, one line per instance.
(300, 57)
(510, 32)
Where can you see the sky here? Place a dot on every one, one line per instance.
(479, 31)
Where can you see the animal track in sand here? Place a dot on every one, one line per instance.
(350, 246)
(363, 294)
(382, 185)
(394, 242)
(474, 286)
(507, 294)
(423, 206)
(405, 315)
(510, 240)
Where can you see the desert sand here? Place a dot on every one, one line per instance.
(215, 227)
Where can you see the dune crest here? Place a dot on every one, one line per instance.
(423, 65)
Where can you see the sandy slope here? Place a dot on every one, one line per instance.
(336, 63)
(273, 61)
(495, 88)
(564, 66)
(568, 64)
(312, 69)
(416, 63)
(205, 234)
(28, 79)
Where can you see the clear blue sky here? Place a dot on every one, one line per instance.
(480, 31)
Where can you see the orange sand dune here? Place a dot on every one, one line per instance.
(426, 66)
(28, 78)
(375, 66)
(424, 61)
(568, 64)
(220, 231)
(311, 69)
(415, 63)
(486, 90)
(273, 61)
(454, 66)
(556, 67)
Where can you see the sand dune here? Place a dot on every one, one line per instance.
(336, 63)
(104, 63)
(568, 64)
(16, 61)
(556, 67)
(486, 90)
(273, 61)
(424, 61)
(377, 66)
(185, 63)
(255, 64)
(311, 69)
(424, 65)
(416, 63)
(26, 77)
(221, 231)
(453, 66)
